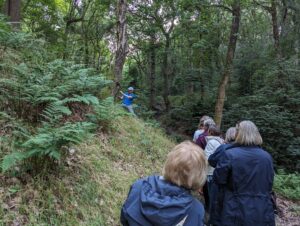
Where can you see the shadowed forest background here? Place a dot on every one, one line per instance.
(63, 63)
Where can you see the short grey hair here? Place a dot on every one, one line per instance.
(209, 122)
(202, 119)
(230, 135)
(248, 134)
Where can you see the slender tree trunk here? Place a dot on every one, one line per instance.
(12, 9)
(276, 34)
(121, 46)
(152, 72)
(166, 73)
(236, 13)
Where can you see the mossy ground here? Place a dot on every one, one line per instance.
(91, 186)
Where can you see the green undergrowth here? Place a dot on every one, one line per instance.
(91, 186)
(287, 184)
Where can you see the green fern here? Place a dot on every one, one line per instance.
(86, 99)
(49, 142)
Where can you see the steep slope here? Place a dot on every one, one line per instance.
(91, 188)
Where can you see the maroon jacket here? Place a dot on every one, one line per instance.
(201, 141)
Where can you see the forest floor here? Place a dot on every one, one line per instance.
(91, 185)
(289, 212)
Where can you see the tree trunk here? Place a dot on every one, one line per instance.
(152, 72)
(236, 13)
(276, 35)
(121, 46)
(166, 73)
(12, 8)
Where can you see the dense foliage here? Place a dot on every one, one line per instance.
(47, 104)
(265, 82)
(54, 68)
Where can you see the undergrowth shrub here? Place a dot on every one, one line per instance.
(48, 143)
(46, 104)
(105, 112)
(287, 184)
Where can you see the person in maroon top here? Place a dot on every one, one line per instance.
(201, 141)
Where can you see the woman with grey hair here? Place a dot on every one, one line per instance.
(246, 173)
(200, 129)
(201, 141)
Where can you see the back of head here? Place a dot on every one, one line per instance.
(248, 134)
(202, 119)
(214, 130)
(208, 123)
(186, 166)
(230, 135)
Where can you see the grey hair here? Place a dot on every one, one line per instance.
(248, 134)
(202, 119)
(230, 135)
(209, 122)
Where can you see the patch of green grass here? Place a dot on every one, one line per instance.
(91, 189)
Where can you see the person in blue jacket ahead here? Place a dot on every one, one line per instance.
(246, 171)
(216, 201)
(128, 98)
(167, 200)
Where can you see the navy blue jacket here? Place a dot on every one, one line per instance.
(152, 201)
(217, 190)
(247, 174)
(217, 155)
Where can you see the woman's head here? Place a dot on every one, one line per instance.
(214, 130)
(230, 135)
(201, 122)
(248, 134)
(186, 166)
(208, 123)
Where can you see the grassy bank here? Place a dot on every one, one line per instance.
(91, 187)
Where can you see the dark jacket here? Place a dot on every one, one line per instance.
(217, 190)
(247, 174)
(201, 141)
(152, 201)
(217, 155)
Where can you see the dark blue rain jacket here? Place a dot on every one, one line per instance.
(217, 190)
(152, 201)
(246, 172)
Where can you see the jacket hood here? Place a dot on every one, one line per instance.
(163, 203)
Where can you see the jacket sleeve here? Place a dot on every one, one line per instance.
(215, 157)
(223, 170)
(123, 217)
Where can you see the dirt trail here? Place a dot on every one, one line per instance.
(289, 212)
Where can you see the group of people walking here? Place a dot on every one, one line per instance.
(235, 176)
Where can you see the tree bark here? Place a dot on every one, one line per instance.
(236, 13)
(121, 46)
(166, 73)
(12, 8)
(152, 72)
(276, 34)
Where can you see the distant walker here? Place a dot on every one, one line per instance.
(128, 98)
